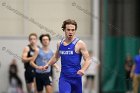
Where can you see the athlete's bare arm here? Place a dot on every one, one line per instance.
(83, 50)
(32, 62)
(26, 59)
(55, 57)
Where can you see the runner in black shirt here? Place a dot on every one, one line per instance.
(26, 58)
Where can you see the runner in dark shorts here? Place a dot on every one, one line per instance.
(26, 58)
(41, 57)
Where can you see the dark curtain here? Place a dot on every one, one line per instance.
(121, 36)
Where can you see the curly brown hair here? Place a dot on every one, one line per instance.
(42, 35)
(69, 21)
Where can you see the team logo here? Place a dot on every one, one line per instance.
(31, 53)
(66, 52)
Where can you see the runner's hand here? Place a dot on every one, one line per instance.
(46, 67)
(40, 68)
(81, 72)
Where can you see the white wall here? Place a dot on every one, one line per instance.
(49, 13)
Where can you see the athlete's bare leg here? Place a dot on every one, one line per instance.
(49, 89)
(31, 87)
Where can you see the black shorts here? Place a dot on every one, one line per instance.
(42, 80)
(29, 76)
(90, 77)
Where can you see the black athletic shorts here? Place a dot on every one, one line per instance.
(42, 79)
(29, 76)
(90, 77)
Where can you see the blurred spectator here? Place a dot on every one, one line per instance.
(135, 73)
(90, 75)
(128, 67)
(14, 80)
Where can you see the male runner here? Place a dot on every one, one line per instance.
(70, 49)
(41, 57)
(26, 58)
